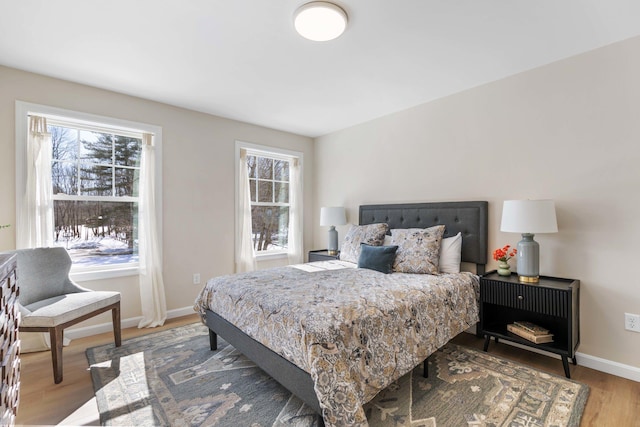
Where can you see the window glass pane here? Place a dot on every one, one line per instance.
(127, 151)
(97, 233)
(64, 177)
(270, 226)
(127, 182)
(252, 188)
(96, 147)
(282, 192)
(281, 169)
(252, 164)
(265, 168)
(265, 191)
(95, 180)
(269, 185)
(64, 143)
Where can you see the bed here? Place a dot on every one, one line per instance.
(267, 315)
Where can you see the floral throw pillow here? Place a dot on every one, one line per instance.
(418, 249)
(372, 234)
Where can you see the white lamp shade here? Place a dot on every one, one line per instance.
(320, 21)
(332, 216)
(529, 216)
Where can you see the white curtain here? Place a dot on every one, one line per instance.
(154, 307)
(34, 225)
(245, 255)
(35, 222)
(296, 254)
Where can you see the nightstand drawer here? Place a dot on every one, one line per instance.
(542, 300)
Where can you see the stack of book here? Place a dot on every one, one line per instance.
(530, 331)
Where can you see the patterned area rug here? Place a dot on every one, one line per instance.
(172, 378)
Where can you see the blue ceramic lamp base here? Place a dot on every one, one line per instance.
(332, 247)
(528, 259)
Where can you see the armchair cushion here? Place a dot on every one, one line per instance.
(44, 273)
(62, 309)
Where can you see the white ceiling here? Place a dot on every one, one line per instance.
(242, 59)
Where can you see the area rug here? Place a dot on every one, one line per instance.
(171, 378)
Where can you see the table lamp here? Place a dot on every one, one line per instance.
(332, 216)
(528, 217)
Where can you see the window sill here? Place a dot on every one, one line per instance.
(97, 274)
(270, 256)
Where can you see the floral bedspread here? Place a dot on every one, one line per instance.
(353, 330)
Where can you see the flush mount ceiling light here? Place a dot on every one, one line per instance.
(320, 21)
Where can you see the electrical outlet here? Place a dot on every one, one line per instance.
(632, 322)
(196, 278)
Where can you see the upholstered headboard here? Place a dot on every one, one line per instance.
(469, 218)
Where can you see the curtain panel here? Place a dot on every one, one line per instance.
(296, 253)
(152, 297)
(245, 254)
(35, 224)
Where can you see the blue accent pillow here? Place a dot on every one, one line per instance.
(379, 258)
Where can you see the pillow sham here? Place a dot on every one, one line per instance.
(371, 234)
(418, 249)
(451, 254)
(379, 258)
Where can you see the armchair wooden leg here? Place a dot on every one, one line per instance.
(117, 332)
(57, 337)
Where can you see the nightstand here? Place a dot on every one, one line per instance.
(553, 303)
(322, 255)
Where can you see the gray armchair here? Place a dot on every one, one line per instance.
(49, 301)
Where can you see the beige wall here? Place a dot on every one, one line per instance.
(568, 131)
(198, 178)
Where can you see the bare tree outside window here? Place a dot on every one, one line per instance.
(95, 177)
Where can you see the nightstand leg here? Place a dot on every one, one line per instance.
(425, 369)
(565, 363)
(487, 338)
(574, 360)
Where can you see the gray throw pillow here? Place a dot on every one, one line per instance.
(379, 258)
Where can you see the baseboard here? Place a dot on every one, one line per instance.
(609, 367)
(599, 364)
(131, 322)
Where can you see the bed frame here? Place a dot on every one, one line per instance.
(469, 218)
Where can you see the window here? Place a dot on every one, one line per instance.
(95, 177)
(94, 165)
(274, 182)
(269, 186)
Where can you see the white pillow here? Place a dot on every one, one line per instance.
(450, 254)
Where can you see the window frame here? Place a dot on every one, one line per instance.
(96, 122)
(274, 153)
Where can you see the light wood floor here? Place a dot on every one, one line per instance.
(613, 401)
